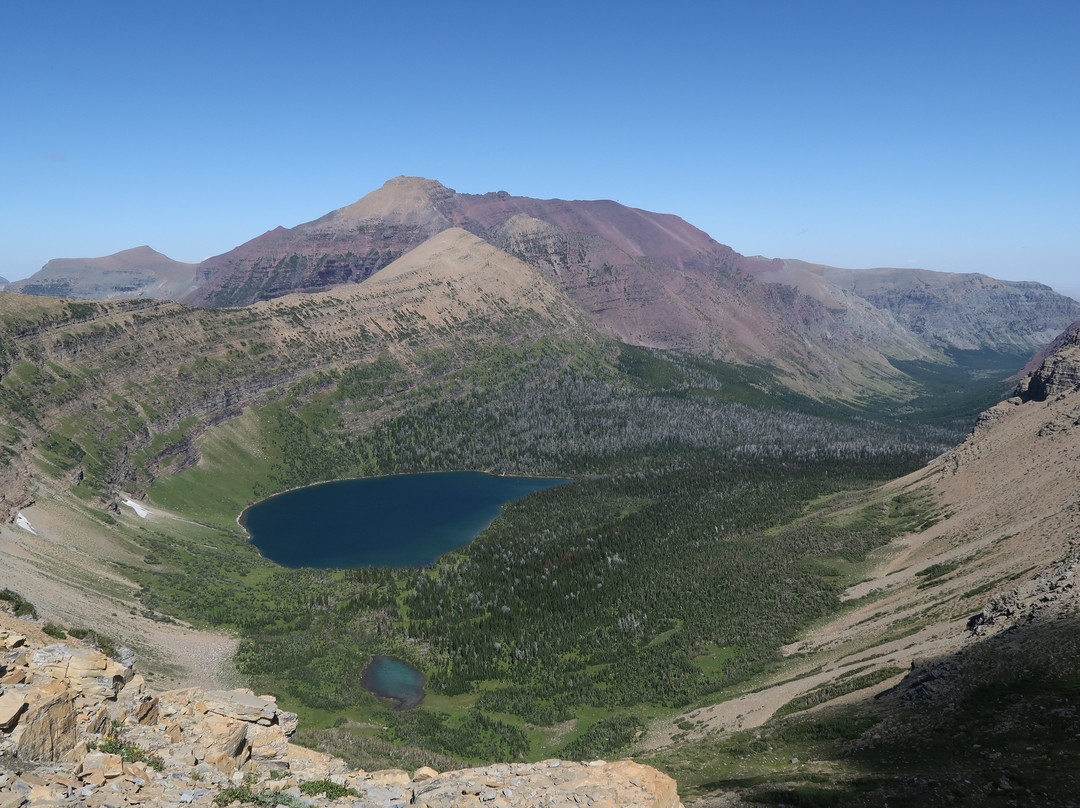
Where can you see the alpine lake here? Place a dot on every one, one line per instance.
(406, 520)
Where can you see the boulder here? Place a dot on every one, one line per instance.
(12, 704)
(241, 704)
(49, 728)
(137, 702)
(108, 765)
(87, 671)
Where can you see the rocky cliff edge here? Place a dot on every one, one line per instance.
(1059, 372)
(80, 728)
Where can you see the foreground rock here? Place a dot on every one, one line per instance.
(78, 728)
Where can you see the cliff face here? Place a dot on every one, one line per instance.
(1059, 372)
(964, 311)
(80, 728)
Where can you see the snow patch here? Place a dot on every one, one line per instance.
(140, 511)
(24, 523)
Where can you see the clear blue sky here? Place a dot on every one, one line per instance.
(936, 134)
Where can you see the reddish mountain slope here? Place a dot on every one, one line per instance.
(351, 243)
(646, 278)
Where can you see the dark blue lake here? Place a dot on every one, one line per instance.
(394, 679)
(407, 520)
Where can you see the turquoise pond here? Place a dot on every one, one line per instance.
(406, 520)
(393, 679)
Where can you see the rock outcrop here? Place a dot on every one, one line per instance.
(79, 728)
(1050, 595)
(1059, 372)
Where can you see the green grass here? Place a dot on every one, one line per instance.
(233, 466)
(715, 658)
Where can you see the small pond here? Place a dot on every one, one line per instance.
(393, 679)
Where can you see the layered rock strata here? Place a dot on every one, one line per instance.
(1059, 372)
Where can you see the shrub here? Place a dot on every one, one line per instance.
(129, 753)
(20, 607)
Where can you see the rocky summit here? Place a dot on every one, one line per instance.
(78, 727)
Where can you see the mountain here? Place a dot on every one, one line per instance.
(647, 279)
(138, 272)
(946, 310)
(724, 553)
(654, 280)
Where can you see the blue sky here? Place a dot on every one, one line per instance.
(941, 135)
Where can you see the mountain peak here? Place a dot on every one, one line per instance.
(402, 199)
(136, 272)
(139, 253)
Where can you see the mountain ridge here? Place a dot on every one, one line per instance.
(136, 272)
(645, 278)
(947, 309)
(654, 280)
